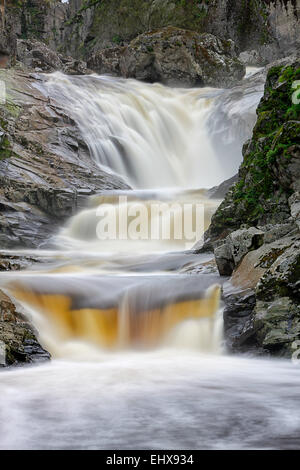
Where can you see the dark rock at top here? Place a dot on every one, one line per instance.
(37, 55)
(173, 56)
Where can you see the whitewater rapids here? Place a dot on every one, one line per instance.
(135, 329)
(170, 399)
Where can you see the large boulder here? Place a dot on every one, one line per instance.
(261, 308)
(277, 310)
(266, 30)
(37, 55)
(236, 246)
(174, 56)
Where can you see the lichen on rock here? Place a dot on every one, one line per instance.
(265, 202)
(173, 56)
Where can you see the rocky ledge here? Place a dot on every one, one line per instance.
(173, 56)
(46, 170)
(255, 233)
(18, 339)
(46, 173)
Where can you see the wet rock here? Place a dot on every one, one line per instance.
(16, 261)
(265, 259)
(239, 330)
(278, 231)
(224, 260)
(236, 246)
(271, 275)
(268, 30)
(251, 58)
(34, 54)
(249, 272)
(294, 203)
(46, 170)
(174, 56)
(278, 325)
(242, 241)
(18, 341)
(107, 61)
(37, 55)
(283, 276)
(270, 172)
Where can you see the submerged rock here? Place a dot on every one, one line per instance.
(174, 56)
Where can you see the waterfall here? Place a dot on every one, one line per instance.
(141, 292)
(155, 136)
(135, 325)
(137, 312)
(158, 209)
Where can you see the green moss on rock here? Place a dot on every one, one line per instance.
(266, 176)
(273, 136)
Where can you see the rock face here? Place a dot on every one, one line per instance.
(18, 341)
(236, 246)
(174, 56)
(35, 54)
(265, 30)
(31, 19)
(46, 170)
(255, 231)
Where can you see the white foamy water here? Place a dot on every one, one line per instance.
(168, 399)
(155, 136)
(135, 329)
(162, 221)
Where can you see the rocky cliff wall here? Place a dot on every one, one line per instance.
(255, 232)
(39, 19)
(268, 27)
(267, 30)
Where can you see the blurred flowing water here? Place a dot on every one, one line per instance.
(135, 326)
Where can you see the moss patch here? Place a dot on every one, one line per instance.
(273, 137)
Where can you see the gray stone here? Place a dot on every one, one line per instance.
(39, 56)
(34, 54)
(242, 241)
(294, 203)
(173, 56)
(235, 247)
(224, 259)
(277, 231)
(19, 338)
(49, 171)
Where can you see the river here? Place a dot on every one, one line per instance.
(134, 321)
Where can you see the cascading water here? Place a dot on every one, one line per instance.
(134, 326)
(155, 136)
